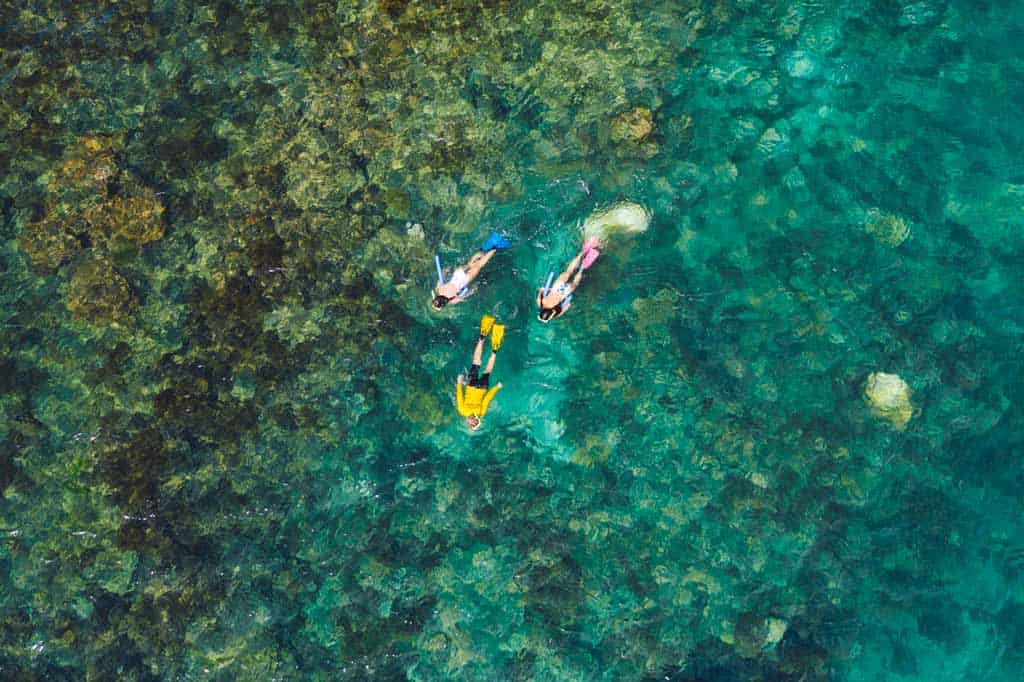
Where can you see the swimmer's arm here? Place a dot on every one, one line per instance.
(487, 398)
(459, 395)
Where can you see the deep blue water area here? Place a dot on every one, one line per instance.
(777, 436)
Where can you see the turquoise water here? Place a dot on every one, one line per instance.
(228, 441)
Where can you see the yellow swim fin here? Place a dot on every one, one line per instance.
(497, 334)
(486, 322)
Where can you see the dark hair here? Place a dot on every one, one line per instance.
(440, 301)
(546, 314)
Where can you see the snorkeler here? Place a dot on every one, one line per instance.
(473, 400)
(553, 301)
(456, 289)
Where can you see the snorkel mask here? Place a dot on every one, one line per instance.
(544, 292)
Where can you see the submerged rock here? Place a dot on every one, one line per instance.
(889, 398)
(624, 217)
(776, 631)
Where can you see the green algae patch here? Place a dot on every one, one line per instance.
(97, 292)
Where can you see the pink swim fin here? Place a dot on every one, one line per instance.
(589, 258)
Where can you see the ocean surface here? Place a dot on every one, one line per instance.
(778, 436)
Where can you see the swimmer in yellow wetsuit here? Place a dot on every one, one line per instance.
(472, 400)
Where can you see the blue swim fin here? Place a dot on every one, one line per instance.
(495, 241)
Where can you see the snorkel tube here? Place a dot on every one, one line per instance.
(440, 275)
(543, 293)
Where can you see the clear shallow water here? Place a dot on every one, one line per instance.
(228, 443)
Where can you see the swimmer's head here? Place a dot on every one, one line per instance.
(440, 301)
(473, 422)
(546, 314)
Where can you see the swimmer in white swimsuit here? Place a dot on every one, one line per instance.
(456, 288)
(558, 298)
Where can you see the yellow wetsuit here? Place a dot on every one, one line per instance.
(471, 400)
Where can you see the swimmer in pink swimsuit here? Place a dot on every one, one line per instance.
(553, 302)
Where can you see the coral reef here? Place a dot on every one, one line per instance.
(886, 228)
(52, 241)
(88, 186)
(236, 457)
(98, 292)
(632, 126)
(135, 218)
(632, 129)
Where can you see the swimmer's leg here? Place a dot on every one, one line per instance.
(478, 353)
(573, 265)
(477, 262)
